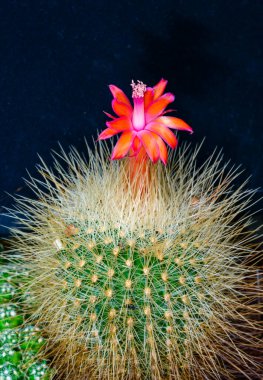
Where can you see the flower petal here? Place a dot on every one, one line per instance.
(148, 97)
(109, 115)
(174, 122)
(121, 109)
(162, 149)
(149, 142)
(123, 145)
(120, 124)
(136, 146)
(119, 95)
(164, 132)
(159, 88)
(157, 108)
(107, 133)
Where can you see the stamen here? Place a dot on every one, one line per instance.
(138, 89)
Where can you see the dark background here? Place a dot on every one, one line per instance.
(57, 58)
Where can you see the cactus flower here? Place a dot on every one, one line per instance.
(143, 126)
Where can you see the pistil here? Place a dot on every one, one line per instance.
(138, 116)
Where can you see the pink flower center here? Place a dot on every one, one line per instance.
(138, 116)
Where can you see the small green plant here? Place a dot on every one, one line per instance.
(20, 343)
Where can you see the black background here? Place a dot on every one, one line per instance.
(57, 58)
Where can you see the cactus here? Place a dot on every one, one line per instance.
(20, 343)
(138, 270)
(149, 280)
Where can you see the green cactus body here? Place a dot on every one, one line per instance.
(7, 292)
(19, 342)
(10, 371)
(38, 370)
(122, 287)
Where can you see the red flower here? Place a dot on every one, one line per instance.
(143, 126)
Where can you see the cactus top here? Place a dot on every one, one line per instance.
(143, 126)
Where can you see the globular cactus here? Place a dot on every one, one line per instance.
(20, 343)
(145, 278)
(140, 271)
